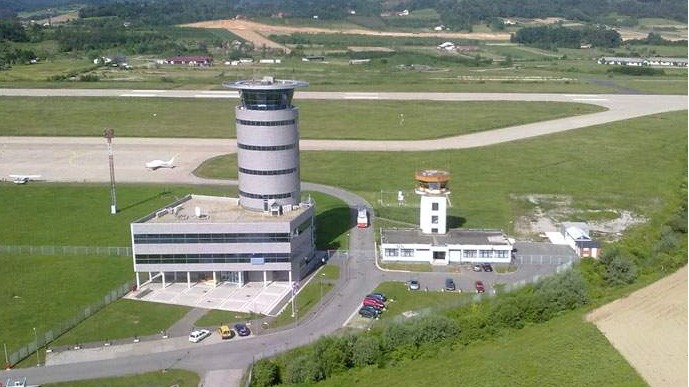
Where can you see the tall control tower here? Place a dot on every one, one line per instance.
(431, 185)
(268, 143)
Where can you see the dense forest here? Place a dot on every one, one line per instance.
(456, 13)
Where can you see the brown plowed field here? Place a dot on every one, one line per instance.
(257, 32)
(649, 328)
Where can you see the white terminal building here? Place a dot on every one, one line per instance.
(433, 242)
(266, 234)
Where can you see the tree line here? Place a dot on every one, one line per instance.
(550, 37)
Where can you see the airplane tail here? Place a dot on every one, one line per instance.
(172, 160)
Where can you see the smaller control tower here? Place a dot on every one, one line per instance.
(431, 185)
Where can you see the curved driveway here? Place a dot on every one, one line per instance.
(85, 160)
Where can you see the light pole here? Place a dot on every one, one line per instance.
(109, 134)
(38, 362)
(322, 276)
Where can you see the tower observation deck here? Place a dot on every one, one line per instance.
(268, 143)
(431, 185)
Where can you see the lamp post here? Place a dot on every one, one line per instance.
(322, 276)
(38, 362)
(109, 134)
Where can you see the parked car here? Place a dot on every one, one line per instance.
(374, 303)
(225, 332)
(478, 268)
(487, 267)
(479, 287)
(379, 296)
(242, 329)
(413, 285)
(450, 285)
(368, 312)
(198, 335)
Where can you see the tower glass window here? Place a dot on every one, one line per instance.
(276, 99)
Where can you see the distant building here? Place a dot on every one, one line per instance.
(651, 61)
(198, 61)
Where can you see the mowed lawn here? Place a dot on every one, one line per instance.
(566, 351)
(214, 118)
(180, 378)
(628, 165)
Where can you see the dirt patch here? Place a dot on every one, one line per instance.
(257, 33)
(649, 328)
(549, 211)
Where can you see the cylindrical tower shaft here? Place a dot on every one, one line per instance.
(268, 143)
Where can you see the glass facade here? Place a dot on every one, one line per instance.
(155, 259)
(211, 238)
(266, 99)
(267, 148)
(267, 173)
(266, 123)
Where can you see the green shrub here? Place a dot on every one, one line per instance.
(265, 373)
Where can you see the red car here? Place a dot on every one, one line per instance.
(479, 287)
(374, 303)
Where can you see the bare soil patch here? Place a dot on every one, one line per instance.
(649, 328)
(549, 211)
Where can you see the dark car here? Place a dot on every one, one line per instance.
(487, 267)
(450, 285)
(242, 329)
(374, 303)
(479, 287)
(368, 312)
(379, 296)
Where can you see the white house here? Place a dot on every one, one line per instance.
(576, 235)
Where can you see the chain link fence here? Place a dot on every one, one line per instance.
(45, 338)
(66, 250)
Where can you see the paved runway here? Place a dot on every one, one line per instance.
(85, 159)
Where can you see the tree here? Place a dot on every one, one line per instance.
(620, 271)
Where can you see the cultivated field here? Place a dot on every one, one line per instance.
(649, 328)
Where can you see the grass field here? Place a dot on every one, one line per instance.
(57, 287)
(565, 351)
(124, 319)
(636, 162)
(211, 118)
(167, 378)
(41, 292)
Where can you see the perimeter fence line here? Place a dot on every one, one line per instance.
(67, 250)
(44, 338)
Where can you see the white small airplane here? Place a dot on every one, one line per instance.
(23, 179)
(155, 164)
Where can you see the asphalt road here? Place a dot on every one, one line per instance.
(85, 160)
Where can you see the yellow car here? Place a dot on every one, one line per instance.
(225, 332)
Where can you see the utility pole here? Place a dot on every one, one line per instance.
(109, 134)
